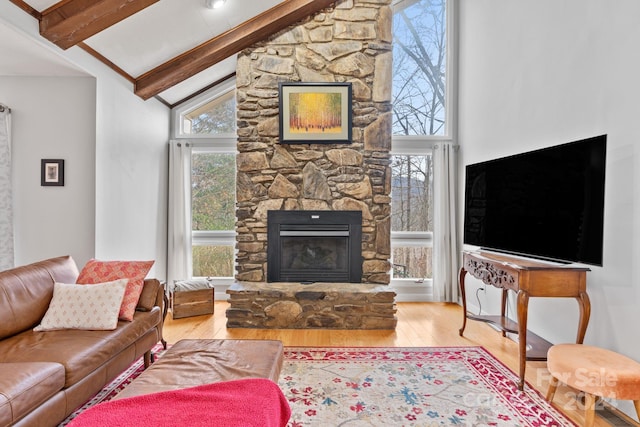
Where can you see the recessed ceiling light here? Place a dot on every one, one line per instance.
(214, 4)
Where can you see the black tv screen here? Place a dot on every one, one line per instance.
(546, 204)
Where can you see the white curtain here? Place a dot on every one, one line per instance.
(445, 237)
(179, 216)
(6, 198)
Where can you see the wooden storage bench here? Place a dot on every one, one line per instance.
(191, 298)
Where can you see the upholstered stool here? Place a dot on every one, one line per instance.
(597, 372)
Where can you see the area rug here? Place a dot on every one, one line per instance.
(393, 387)
(463, 386)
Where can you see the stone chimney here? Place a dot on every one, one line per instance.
(348, 43)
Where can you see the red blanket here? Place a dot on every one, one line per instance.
(241, 403)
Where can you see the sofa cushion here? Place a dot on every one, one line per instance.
(25, 292)
(26, 385)
(94, 307)
(79, 351)
(149, 295)
(102, 271)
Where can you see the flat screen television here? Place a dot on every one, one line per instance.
(546, 204)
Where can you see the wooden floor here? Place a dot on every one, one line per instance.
(419, 325)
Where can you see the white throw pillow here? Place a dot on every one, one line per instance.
(89, 307)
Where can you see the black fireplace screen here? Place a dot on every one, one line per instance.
(312, 246)
(302, 253)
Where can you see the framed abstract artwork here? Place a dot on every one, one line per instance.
(312, 113)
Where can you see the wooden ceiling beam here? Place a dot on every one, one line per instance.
(70, 22)
(225, 45)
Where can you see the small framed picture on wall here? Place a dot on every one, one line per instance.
(52, 172)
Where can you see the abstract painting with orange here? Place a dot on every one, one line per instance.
(315, 112)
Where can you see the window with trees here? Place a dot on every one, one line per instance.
(411, 216)
(210, 127)
(420, 119)
(216, 117)
(420, 60)
(213, 200)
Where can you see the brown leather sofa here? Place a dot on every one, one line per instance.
(45, 376)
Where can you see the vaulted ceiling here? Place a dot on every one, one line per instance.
(169, 49)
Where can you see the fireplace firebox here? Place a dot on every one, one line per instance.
(314, 246)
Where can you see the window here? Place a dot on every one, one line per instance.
(411, 216)
(419, 75)
(209, 125)
(211, 115)
(212, 118)
(421, 118)
(212, 212)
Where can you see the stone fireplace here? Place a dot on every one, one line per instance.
(350, 42)
(314, 246)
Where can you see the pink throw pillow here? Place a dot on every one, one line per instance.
(104, 271)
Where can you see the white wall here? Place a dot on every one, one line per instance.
(124, 216)
(545, 72)
(52, 221)
(131, 175)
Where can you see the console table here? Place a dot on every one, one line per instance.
(527, 279)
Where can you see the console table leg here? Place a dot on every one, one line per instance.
(585, 312)
(523, 308)
(463, 293)
(503, 308)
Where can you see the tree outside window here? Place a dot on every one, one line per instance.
(213, 195)
(419, 74)
(212, 211)
(217, 116)
(411, 216)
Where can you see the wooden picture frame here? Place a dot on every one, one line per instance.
(312, 113)
(52, 172)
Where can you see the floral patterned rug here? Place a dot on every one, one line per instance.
(393, 387)
(463, 386)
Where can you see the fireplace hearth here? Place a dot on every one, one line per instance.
(314, 246)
